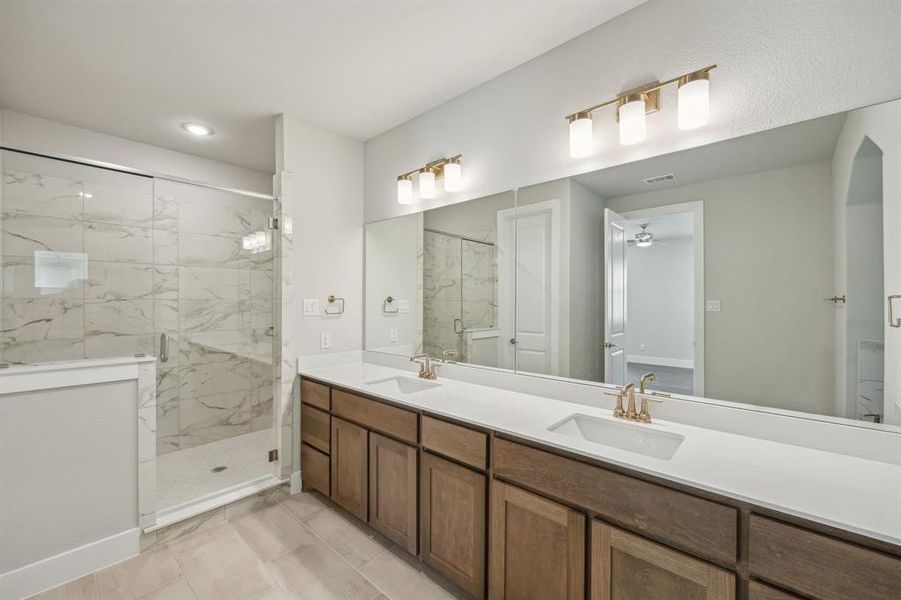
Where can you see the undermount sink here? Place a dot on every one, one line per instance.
(631, 437)
(403, 385)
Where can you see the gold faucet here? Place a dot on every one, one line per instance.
(426, 368)
(644, 378)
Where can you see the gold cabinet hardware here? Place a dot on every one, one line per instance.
(837, 299)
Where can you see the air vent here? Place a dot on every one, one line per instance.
(660, 179)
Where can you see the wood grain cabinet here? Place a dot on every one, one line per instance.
(392, 490)
(453, 505)
(314, 466)
(537, 547)
(314, 428)
(761, 591)
(350, 467)
(625, 566)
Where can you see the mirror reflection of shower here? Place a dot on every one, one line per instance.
(459, 297)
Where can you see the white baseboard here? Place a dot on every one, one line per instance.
(661, 361)
(70, 565)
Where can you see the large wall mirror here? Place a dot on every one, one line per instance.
(755, 270)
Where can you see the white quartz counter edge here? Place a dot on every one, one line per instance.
(854, 494)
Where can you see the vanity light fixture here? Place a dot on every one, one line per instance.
(634, 105)
(449, 169)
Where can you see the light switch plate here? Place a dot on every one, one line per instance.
(325, 340)
(714, 306)
(403, 306)
(311, 307)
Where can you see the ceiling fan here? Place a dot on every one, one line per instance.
(643, 238)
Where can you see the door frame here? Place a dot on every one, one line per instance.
(507, 240)
(696, 209)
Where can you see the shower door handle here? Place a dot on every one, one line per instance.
(164, 347)
(458, 330)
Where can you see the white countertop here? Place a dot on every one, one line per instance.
(854, 494)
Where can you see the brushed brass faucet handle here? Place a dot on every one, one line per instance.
(645, 416)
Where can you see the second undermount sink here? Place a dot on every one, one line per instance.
(402, 385)
(632, 437)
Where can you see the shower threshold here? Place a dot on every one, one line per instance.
(218, 499)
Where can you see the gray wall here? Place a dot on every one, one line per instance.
(768, 258)
(68, 469)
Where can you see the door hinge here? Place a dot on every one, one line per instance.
(273, 222)
(273, 455)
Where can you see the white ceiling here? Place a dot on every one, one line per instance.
(797, 144)
(139, 69)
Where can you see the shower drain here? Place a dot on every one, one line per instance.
(219, 469)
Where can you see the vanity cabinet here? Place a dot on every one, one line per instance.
(537, 547)
(515, 520)
(624, 565)
(452, 504)
(392, 490)
(350, 467)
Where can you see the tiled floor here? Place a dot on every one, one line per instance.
(300, 548)
(188, 474)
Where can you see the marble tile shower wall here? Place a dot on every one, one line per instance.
(459, 282)
(98, 263)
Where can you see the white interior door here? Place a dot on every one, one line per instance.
(615, 297)
(534, 270)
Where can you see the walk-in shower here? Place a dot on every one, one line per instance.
(98, 262)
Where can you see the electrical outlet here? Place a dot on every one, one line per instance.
(714, 306)
(325, 340)
(393, 334)
(311, 307)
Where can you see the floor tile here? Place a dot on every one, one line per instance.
(315, 572)
(271, 532)
(400, 581)
(277, 594)
(138, 576)
(220, 566)
(80, 589)
(176, 590)
(303, 505)
(346, 538)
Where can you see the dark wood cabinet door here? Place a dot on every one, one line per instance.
(314, 428)
(761, 591)
(537, 547)
(453, 505)
(625, 566)
(393, 490)
(350, 467)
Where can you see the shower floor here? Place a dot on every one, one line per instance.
(185, 475)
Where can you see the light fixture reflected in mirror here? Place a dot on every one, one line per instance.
(632, 123)
(694, 100)
(634, 105)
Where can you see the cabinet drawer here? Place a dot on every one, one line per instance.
(818, 565)
(314, 428)
(759, 591)
(382, 417)
(315, 394)
(705, 528)
(462, 444)
(314, 466)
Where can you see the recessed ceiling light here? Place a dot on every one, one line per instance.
(197, 129)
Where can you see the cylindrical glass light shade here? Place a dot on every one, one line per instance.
(453, 177)
(405, 190)
(694, 103)
(427, 184)
(632, 125)
(580, 135)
